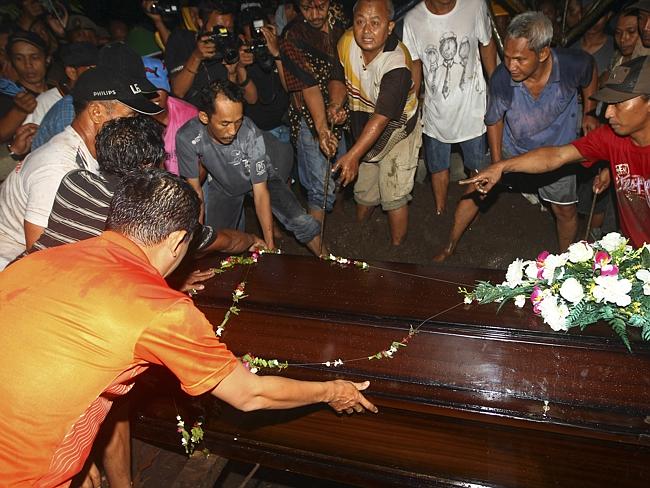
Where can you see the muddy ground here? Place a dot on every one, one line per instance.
(508, 228)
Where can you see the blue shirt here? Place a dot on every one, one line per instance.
(549, 120)
(56, 119)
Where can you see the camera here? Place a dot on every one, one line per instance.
(258, 45)
(227, 44)
(164, 8)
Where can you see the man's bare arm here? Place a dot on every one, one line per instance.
(247, 392)
(196, 184)
(495, 140)
(32, 233)
(262, 199)
(540, 160)
(488, 57)
(233, 241)
(349, 162)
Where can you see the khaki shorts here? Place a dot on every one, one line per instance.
(390, 181)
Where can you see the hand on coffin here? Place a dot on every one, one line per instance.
(346, 397)
(192, 283)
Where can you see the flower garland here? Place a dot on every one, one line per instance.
(189, 440)
(607, 280)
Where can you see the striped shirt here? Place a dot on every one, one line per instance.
(81, 207)
(384, 87)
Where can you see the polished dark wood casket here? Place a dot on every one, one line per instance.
(477, 398)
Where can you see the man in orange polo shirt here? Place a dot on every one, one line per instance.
(79, 322)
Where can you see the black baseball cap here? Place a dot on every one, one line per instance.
(29, 37)
(627, 81)
(118, 57)
(641, 5)
(100, 83)
(79, 54)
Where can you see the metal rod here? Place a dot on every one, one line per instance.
(591, 215)
(564, 14)
(328, 175)
(495, 31)
(594, 14)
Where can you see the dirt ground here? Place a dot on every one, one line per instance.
(508, 228)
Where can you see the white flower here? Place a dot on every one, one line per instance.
(531, 270)
(520, 301)
(644, 276)
(612, 241)
(552, 262)
(580, 252)
(572, 291)
(467, 300)
(515, 273)
(554, 314)
(254, 370)
(611, 289)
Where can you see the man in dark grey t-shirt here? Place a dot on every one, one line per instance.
(232, 150)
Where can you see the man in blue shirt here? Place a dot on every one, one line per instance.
(533, 102)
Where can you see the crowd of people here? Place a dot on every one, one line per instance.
(134, 148)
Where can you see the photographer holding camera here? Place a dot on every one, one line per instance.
(215, 53)
(269, 110)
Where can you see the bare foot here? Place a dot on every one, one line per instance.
(440, 211)
(443, 255)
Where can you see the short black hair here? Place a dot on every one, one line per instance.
(149, 205)
(224, 7)
(227, 88)
(130, 143)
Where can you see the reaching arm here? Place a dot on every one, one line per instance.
(540, 160)
(196, 184)
(495, 140)
(233, 241)
(338, 96)
(247, 392)
(262, 199)
(488, 57)
(349, 163)
(316, 106)
(32, 233)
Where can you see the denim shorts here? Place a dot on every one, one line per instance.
(438, 154)
(313, 167)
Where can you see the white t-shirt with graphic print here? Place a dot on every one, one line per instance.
(455, 97)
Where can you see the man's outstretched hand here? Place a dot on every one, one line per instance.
(485, 179)
(346, 397)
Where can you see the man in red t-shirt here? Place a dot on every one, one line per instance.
(99, 313)
(625, 143)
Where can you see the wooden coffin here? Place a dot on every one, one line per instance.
(475, 399)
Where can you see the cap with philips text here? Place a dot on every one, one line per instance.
(118, 57)
(100, 83)
(627, 81)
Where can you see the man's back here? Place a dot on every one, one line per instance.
(76, 337)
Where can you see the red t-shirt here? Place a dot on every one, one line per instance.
(78, 324)
(630, 168)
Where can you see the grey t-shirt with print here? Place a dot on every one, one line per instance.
(235, 167)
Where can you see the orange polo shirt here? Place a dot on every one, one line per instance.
(78, 323)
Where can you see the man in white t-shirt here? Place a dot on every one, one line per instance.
(451, 43)
(27, 195)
